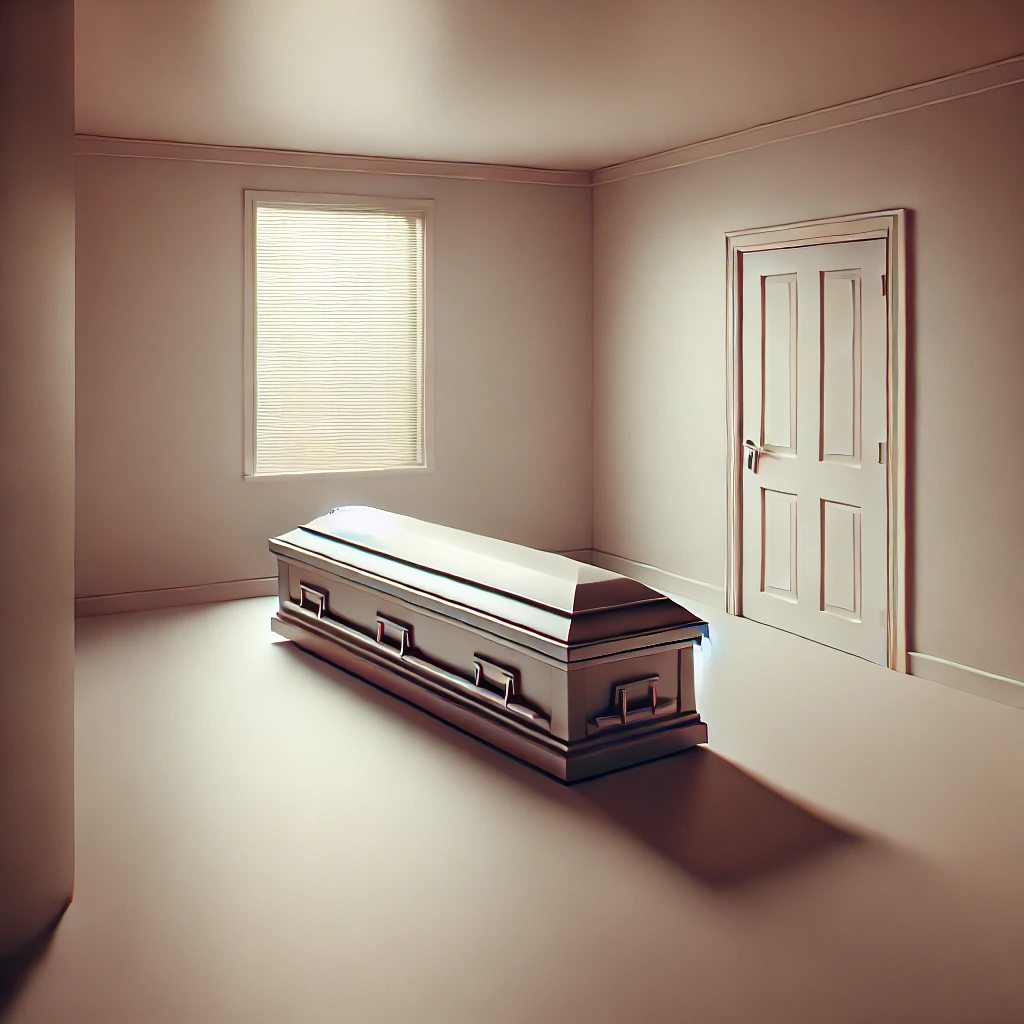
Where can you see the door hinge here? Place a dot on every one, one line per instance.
(884, 285)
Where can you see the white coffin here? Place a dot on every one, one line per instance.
(568, 666)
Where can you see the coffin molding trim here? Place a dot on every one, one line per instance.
(1003, 689)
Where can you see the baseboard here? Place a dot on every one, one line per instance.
(174, 597)
(962, 677)
(236, 590)
(661, 579)
(205, 593)
(579, 554)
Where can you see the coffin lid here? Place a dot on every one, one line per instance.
(551, 603)
(495, 586)
(540, 578)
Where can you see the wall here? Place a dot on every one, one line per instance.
(37, 444)
(660, 352)
(161, 499)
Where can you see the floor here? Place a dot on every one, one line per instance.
(263, 839)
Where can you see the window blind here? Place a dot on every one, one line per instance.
(338, 325)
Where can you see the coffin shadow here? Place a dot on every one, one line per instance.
(696, 809)
(710, 818)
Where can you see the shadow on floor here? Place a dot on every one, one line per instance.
(710, 818)
(15, 970)
(701, 812)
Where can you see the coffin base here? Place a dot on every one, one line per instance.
(567, 762)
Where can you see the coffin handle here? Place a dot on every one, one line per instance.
(386, 629)
(395, 641)
(624, 701)
(485, 671)
(313, 599)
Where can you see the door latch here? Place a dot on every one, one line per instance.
(754, 452)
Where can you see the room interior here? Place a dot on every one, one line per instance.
(248, 834)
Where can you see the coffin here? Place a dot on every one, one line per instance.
(570, 667)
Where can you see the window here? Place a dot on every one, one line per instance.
(336, 334)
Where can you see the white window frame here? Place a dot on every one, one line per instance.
(329, 200)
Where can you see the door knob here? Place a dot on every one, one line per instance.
(754, 452)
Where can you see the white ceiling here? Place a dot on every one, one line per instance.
(574, 84)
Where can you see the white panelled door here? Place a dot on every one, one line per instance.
(815, 401)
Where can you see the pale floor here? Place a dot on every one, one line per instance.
(262, 839)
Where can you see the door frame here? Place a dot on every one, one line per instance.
(890, 225)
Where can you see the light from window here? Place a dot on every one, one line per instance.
(338, 328)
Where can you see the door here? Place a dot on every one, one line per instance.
(814, 340)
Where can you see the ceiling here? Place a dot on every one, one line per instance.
(576, 84)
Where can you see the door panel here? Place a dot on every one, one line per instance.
(841, 564)
(778, 363)
(778, 544)
(840, 366)
(815, 503)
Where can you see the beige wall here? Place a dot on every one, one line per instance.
(660, 352)
(161, 500)
(37, 445)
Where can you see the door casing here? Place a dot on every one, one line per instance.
(890, 225)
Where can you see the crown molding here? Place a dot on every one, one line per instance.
(144, 149)
(897, 101)
(997, 75)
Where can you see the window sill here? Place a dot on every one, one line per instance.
(336, 474)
